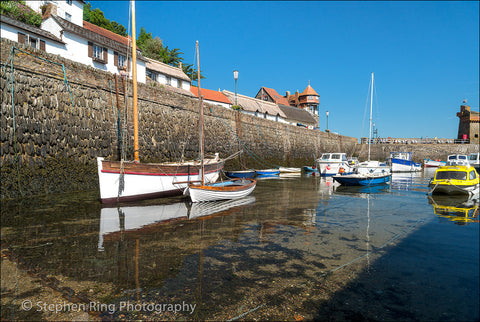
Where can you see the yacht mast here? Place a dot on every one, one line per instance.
(201, 116)
(370, 126)
(134, 81)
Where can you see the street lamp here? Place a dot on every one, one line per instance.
(235, 75)
(326, 113)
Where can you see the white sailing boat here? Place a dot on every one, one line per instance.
(224, 190)
(131, 180)
(371, 166)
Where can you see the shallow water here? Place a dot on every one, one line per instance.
(300, 247)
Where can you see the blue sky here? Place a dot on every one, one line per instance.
(424, 55)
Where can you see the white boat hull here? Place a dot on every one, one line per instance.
(208, 193)
(372, 167)
(145, 185)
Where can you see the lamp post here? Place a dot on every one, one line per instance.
(326, 113)
(235, 75)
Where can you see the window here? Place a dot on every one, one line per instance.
(122, 61)
(32, 41)
(68, 16)
(97, 52)
(472, 175)
(152, 75)
(179, 84)
(69, 2)
(169, 80)
(455, 175)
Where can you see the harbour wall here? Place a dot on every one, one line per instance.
(57, 116)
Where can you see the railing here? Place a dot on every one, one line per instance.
(414, 141)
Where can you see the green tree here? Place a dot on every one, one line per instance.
(97, 17)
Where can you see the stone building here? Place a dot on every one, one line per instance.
(468, 127)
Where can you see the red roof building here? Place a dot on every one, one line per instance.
(271, 95)
(211, 96)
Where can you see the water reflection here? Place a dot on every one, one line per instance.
(459, 209)
(275, 248)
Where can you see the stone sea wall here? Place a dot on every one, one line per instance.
(49, 144)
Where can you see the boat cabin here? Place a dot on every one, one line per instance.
(333, 157)
(458, 159)
(401, 155)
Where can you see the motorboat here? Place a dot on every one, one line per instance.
(403, 162)
(435, 163)
(329, 164)
(458, 159)
(454, 180)
(474, 160)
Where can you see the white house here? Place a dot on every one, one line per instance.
(27, 34)
(92, 45)
(158, 72)
(257, 107)
(64, 32)
(70, 10)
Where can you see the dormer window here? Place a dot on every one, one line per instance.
(68, 16)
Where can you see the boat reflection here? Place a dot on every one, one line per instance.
(115, 222)
(461, 210)
(362, 190)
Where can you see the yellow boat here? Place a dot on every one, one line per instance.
(454, 180)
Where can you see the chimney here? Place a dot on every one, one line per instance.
(287, 94)
(180, 65)
(49, 9)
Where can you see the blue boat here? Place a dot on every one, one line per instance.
(308, 169)
(240, 174)
(362, 179)
(268, 172)
(403, 162)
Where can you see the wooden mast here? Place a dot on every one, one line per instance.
(134, 80)
(201, 116)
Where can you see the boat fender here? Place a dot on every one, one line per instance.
(328, 167)
(341, 170)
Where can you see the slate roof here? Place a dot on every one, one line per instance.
(277, 98)
(97, 34)
(298, 114)
(211, 95)
(255, 105)
(29, 28)
(166, 69)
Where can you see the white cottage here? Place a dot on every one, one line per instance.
(257, 107)
(64, 32)
(164, 74)
(27, 34)
(92, 45)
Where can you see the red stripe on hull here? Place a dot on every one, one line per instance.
(157, 174)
